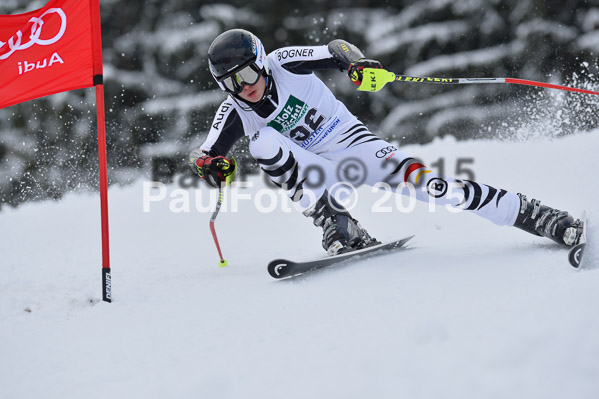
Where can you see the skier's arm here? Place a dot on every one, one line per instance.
(226, 129)
(351, 59)
(303, 60)
(208, 161)
(344, 53)
(338, 54)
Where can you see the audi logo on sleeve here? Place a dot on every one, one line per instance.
(383, 152)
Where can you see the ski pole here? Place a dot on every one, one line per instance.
(222, 262)
(375, 79)
(228, 180)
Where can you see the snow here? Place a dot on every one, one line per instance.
(231, 15)
(471, 310)
(170, 40)
(591, 20)
(13, 7)
(464, 60)
(589, 41)
(414, 109)
(442, 32)
(561, 33)
(182, 103)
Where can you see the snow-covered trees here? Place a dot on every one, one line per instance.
(160, 97)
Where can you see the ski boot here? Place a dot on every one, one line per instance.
(545, 221)
(341, 232)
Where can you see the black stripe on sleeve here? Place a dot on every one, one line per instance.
(232, 131)
(307, 67)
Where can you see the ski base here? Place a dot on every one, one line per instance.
(281, 268)
(576, 252)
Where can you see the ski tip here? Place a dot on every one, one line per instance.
(575, 256)
(282, 268)
(577, 251)
(404, 241)
(275, 267)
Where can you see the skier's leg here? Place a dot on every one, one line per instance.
(545, 221)
(386, 163)
(289, 167)
(383, 162)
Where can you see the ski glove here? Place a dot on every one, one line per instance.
(355, 69)
(216, 170)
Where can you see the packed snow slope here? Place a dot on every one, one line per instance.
(472, 310)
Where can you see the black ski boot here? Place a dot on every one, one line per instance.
(544, 221)
(341, 232)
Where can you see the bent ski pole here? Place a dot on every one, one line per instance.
(375, 79)
(222, 262)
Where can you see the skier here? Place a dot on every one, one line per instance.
(295, 124)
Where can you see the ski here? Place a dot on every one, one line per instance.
(281, 268)
(575, 254)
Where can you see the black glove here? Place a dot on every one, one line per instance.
(355, 69)
(215, 170)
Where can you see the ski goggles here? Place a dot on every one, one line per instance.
(247, 75)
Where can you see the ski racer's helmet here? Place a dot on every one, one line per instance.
(237, 58)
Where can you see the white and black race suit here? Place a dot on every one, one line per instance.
(300, 130)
